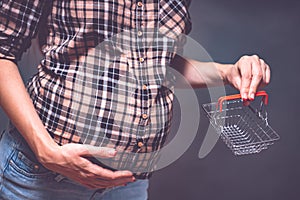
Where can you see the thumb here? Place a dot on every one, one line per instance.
(92, 151)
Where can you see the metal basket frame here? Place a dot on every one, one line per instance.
(244, 129)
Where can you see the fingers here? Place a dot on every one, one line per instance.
(94, 176)
(71, 162)
(106, 174)
(268, 74)
(100, 183)
(254, 73)
(246, 76)
(99, 177)
(108, 184)
(92, 151)
(264, 67)
(257, 77)
(235, 78)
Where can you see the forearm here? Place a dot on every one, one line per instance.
(17, 104)
(201, 74)
(247, 75)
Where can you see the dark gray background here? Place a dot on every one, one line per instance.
(229, 29)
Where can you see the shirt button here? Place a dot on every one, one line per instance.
(145, 87)
(140, 4)
(142, 60)
(144, 116)
(140, 144)
(36, 167)
(139, 33)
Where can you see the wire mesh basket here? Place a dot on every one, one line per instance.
(244, 129)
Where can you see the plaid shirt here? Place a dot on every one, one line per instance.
(103, 80)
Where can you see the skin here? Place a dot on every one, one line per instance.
(247, 75)
(70, 160)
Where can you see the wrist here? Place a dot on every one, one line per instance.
(224, 71)
(46, 154)
(43, 145)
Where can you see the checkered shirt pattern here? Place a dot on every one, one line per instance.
(104, 79)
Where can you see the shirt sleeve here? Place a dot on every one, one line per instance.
(19, 20)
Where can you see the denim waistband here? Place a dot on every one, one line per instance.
(22, 145)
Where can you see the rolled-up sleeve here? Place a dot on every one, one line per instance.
(19, 20)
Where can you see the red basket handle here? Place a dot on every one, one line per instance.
(238, 96)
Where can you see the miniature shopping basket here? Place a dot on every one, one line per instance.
(244, 129)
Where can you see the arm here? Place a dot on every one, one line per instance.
(16, 103)
(246, 75)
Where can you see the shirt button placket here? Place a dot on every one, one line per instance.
(142, 60)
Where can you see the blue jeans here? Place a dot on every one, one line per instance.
(23, 177)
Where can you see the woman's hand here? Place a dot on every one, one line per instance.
(71, 161)
(247, 75)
